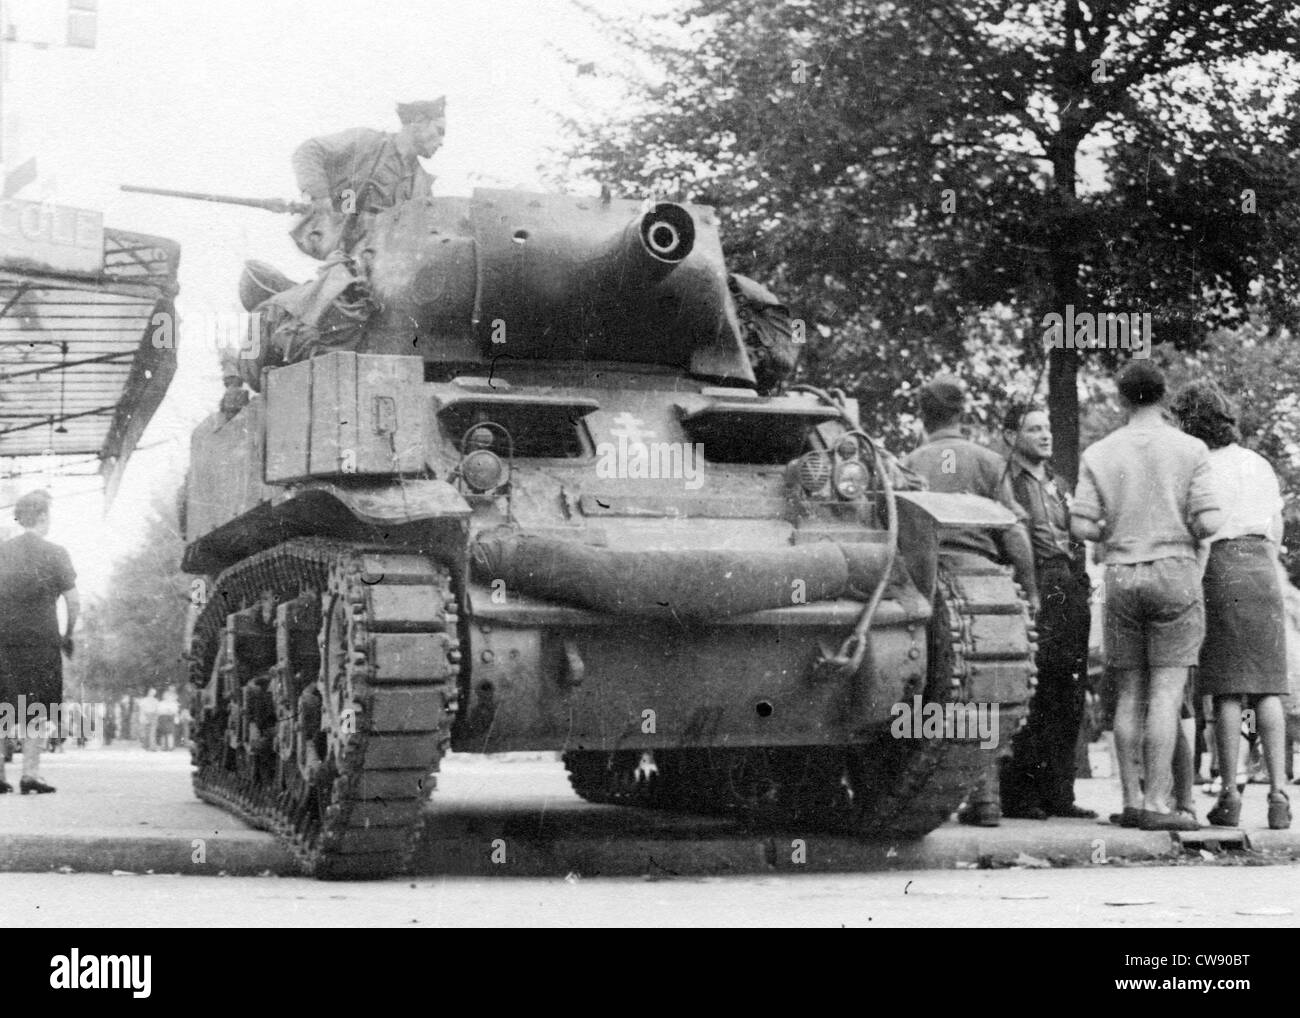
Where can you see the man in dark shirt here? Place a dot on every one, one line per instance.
(951, 463)
(34, 574)
(1039, 779)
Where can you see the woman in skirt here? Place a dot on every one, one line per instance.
(1243, 658)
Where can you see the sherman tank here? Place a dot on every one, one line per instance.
(541, 505)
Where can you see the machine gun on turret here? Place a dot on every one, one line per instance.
(278, 205)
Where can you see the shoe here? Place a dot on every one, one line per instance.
(1072, 812)
(5, 787)
(1279, 811)
(1129, 818)
(1178, 821)
(983, 814)
(1024, 812)
(34, 785)
(1227, 812)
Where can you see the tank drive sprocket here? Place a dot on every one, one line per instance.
(335, 669)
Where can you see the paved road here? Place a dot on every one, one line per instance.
(1189, 897)
(125, 803)
(124, 809)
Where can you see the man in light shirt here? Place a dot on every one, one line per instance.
(1145, 492)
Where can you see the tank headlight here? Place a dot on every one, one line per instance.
(848, 448)
(851, 479)
(482, 471)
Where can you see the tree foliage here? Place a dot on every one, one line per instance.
(899, 169)
(131, 638)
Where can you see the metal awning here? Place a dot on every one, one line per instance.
(85, 360)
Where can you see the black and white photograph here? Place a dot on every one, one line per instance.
(680, 463)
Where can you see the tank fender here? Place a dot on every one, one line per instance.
(391, 504)
(347, 513)
(921, 515)
(950, 510)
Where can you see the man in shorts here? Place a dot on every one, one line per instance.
(1145, 492)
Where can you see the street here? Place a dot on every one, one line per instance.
(1118, 898)
(124, 843)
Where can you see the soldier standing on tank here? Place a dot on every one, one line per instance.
(351, 175)
(1039, 779)
(951, 463)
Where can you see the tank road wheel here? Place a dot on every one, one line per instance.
(329, 743)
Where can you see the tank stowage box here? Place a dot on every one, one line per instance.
(547, 509)
(345, 413)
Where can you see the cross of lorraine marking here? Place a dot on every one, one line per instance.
(630, 427)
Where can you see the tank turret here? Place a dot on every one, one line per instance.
(552, 277)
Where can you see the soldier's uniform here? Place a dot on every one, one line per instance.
(380, 169)
(360, 172)
(949, 462)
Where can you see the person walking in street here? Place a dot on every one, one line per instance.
(183, 721)
(1243, 659)
(148, 707)
(34, 574)
(949, 462)
(168, 707)
(1038, 780)
(1146, 492)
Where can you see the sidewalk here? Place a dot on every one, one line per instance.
(123, 809)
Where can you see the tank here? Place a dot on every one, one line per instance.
(543, 507)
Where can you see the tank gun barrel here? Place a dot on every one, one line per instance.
(652, 244)
(278, 205)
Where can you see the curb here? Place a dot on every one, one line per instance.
(613, 842)
(504, 848)
(127, 854)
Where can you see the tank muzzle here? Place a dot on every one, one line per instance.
(667, 232)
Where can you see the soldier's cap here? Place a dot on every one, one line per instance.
(32, 506)
(944, 392)
(409, 113)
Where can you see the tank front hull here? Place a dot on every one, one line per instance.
(546, 676)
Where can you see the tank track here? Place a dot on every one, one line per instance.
(332, 752)
(884, 789)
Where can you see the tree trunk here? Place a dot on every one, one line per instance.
(1063, 412)
(1063, 256)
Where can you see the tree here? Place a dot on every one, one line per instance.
(898, 168)
(131, 638)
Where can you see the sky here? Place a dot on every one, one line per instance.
(214, 96)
